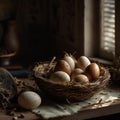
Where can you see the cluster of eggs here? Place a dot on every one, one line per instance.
(81, 71)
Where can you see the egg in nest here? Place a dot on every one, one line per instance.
(60, 77)
(81, 79)
(63, 65)
(92, 71)
(83, 62)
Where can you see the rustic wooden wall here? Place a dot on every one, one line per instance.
(47, 28)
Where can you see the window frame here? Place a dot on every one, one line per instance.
(95, 18)
(91, 28)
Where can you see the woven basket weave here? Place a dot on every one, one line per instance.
(70, 91)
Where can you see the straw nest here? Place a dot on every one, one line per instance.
(69, 91)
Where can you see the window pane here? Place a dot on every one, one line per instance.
(108, 26)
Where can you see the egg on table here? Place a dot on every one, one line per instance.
(29, 100)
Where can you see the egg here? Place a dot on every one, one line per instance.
(29, 100)
(81, 79)
(62, 65)
(60, 77)
(70, 61)
(75, 72)
(83, 62)
(92, 71)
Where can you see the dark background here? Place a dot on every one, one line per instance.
(43, 29)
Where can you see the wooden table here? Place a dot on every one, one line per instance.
(86, 113)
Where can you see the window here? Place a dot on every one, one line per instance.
(99, 28)
(107, 42)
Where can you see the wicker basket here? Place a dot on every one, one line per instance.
(67, 92)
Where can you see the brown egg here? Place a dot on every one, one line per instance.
(81, 79)
(92, 71)
(62, 65)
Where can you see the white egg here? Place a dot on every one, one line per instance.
(60, 77)
(29, 100)
(70, 61)
(83, 62)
